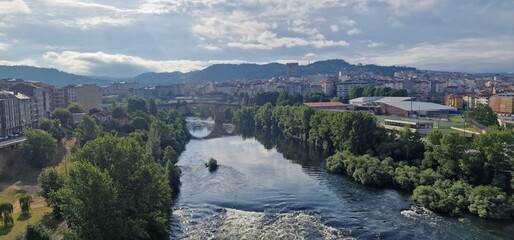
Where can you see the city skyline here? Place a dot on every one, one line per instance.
(126, 38)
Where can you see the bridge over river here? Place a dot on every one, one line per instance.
(221, 113)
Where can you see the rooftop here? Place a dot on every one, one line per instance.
(419, 106)
(324, 104)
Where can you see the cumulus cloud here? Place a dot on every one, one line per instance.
(86, 62)
(13, 7)
(334, 28)
(372, 44)
(240, 30)
(95, 22)
(402, 7)
(471, 54)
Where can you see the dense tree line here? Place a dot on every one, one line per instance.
(449, 173)
(483, 114)
(283, 98)
(370, 91)
(120, 187)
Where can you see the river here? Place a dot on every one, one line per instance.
(279, 189)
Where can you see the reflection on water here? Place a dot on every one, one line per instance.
(198, 127)
(257, 193)
(201, 128)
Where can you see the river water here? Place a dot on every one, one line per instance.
(279, 189)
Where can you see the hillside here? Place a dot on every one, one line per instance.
(217, 72)
(47, 75)
(230, 72)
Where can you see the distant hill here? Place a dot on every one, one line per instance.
(230, 72)
(217, 72)
(47, 75)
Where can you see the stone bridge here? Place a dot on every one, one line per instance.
(219, 111)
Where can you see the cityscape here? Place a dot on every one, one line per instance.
(283, 119)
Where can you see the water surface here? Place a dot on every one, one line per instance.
(280, 190)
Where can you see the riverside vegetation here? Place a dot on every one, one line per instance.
(122, 176)
(448, 173)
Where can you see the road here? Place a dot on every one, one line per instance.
(12, 141)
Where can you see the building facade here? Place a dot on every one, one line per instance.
(15, 113)
(502, 103)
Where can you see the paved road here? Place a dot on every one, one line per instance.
(12, 141)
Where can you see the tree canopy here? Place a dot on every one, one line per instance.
(39, 148)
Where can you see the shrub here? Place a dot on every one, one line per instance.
(212, 164)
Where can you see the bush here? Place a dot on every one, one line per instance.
(406, 177)
(212, 164)
(37, 232)
(335, 163)
(444, 196)
(490, 202)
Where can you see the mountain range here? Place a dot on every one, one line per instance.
(217, 73)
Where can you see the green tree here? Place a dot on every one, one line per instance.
(444, 196)
(406, 177)
(119, 112)
(6, 210)
(435, 136)
(136, 104)
(284, 99)
(170, 155)
(63, 115)
(139, 123)
(483, 114)
(25, 202)
(91, 205)
(496, 150)
(368, 91)
(151, 106)
(143, 184)
(51, 181)
(74, 108)
(356, 92)
(87, 130)
(37, 232)
(52, 126)
(39, 147)
(490, 202)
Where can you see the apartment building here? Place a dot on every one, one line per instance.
(15, 113)
(39, 96)
(502, 103)
(88, 96)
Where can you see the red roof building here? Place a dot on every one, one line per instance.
(327, 106)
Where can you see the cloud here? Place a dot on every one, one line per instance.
(334, 28)
(84, 5)
(25, 62)
(3, 46)
(351, 26)
(211, 48)
(240, 30)
(100, 21)
(403, 7)
(471, 54)
(88, 63)
(372, 44)
(171, 6)
(13, 7)
(353, 31)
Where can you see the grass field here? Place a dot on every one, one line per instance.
(21, 178)
(444, 125)
(21, 222)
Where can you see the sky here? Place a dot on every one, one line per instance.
(121, 38)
